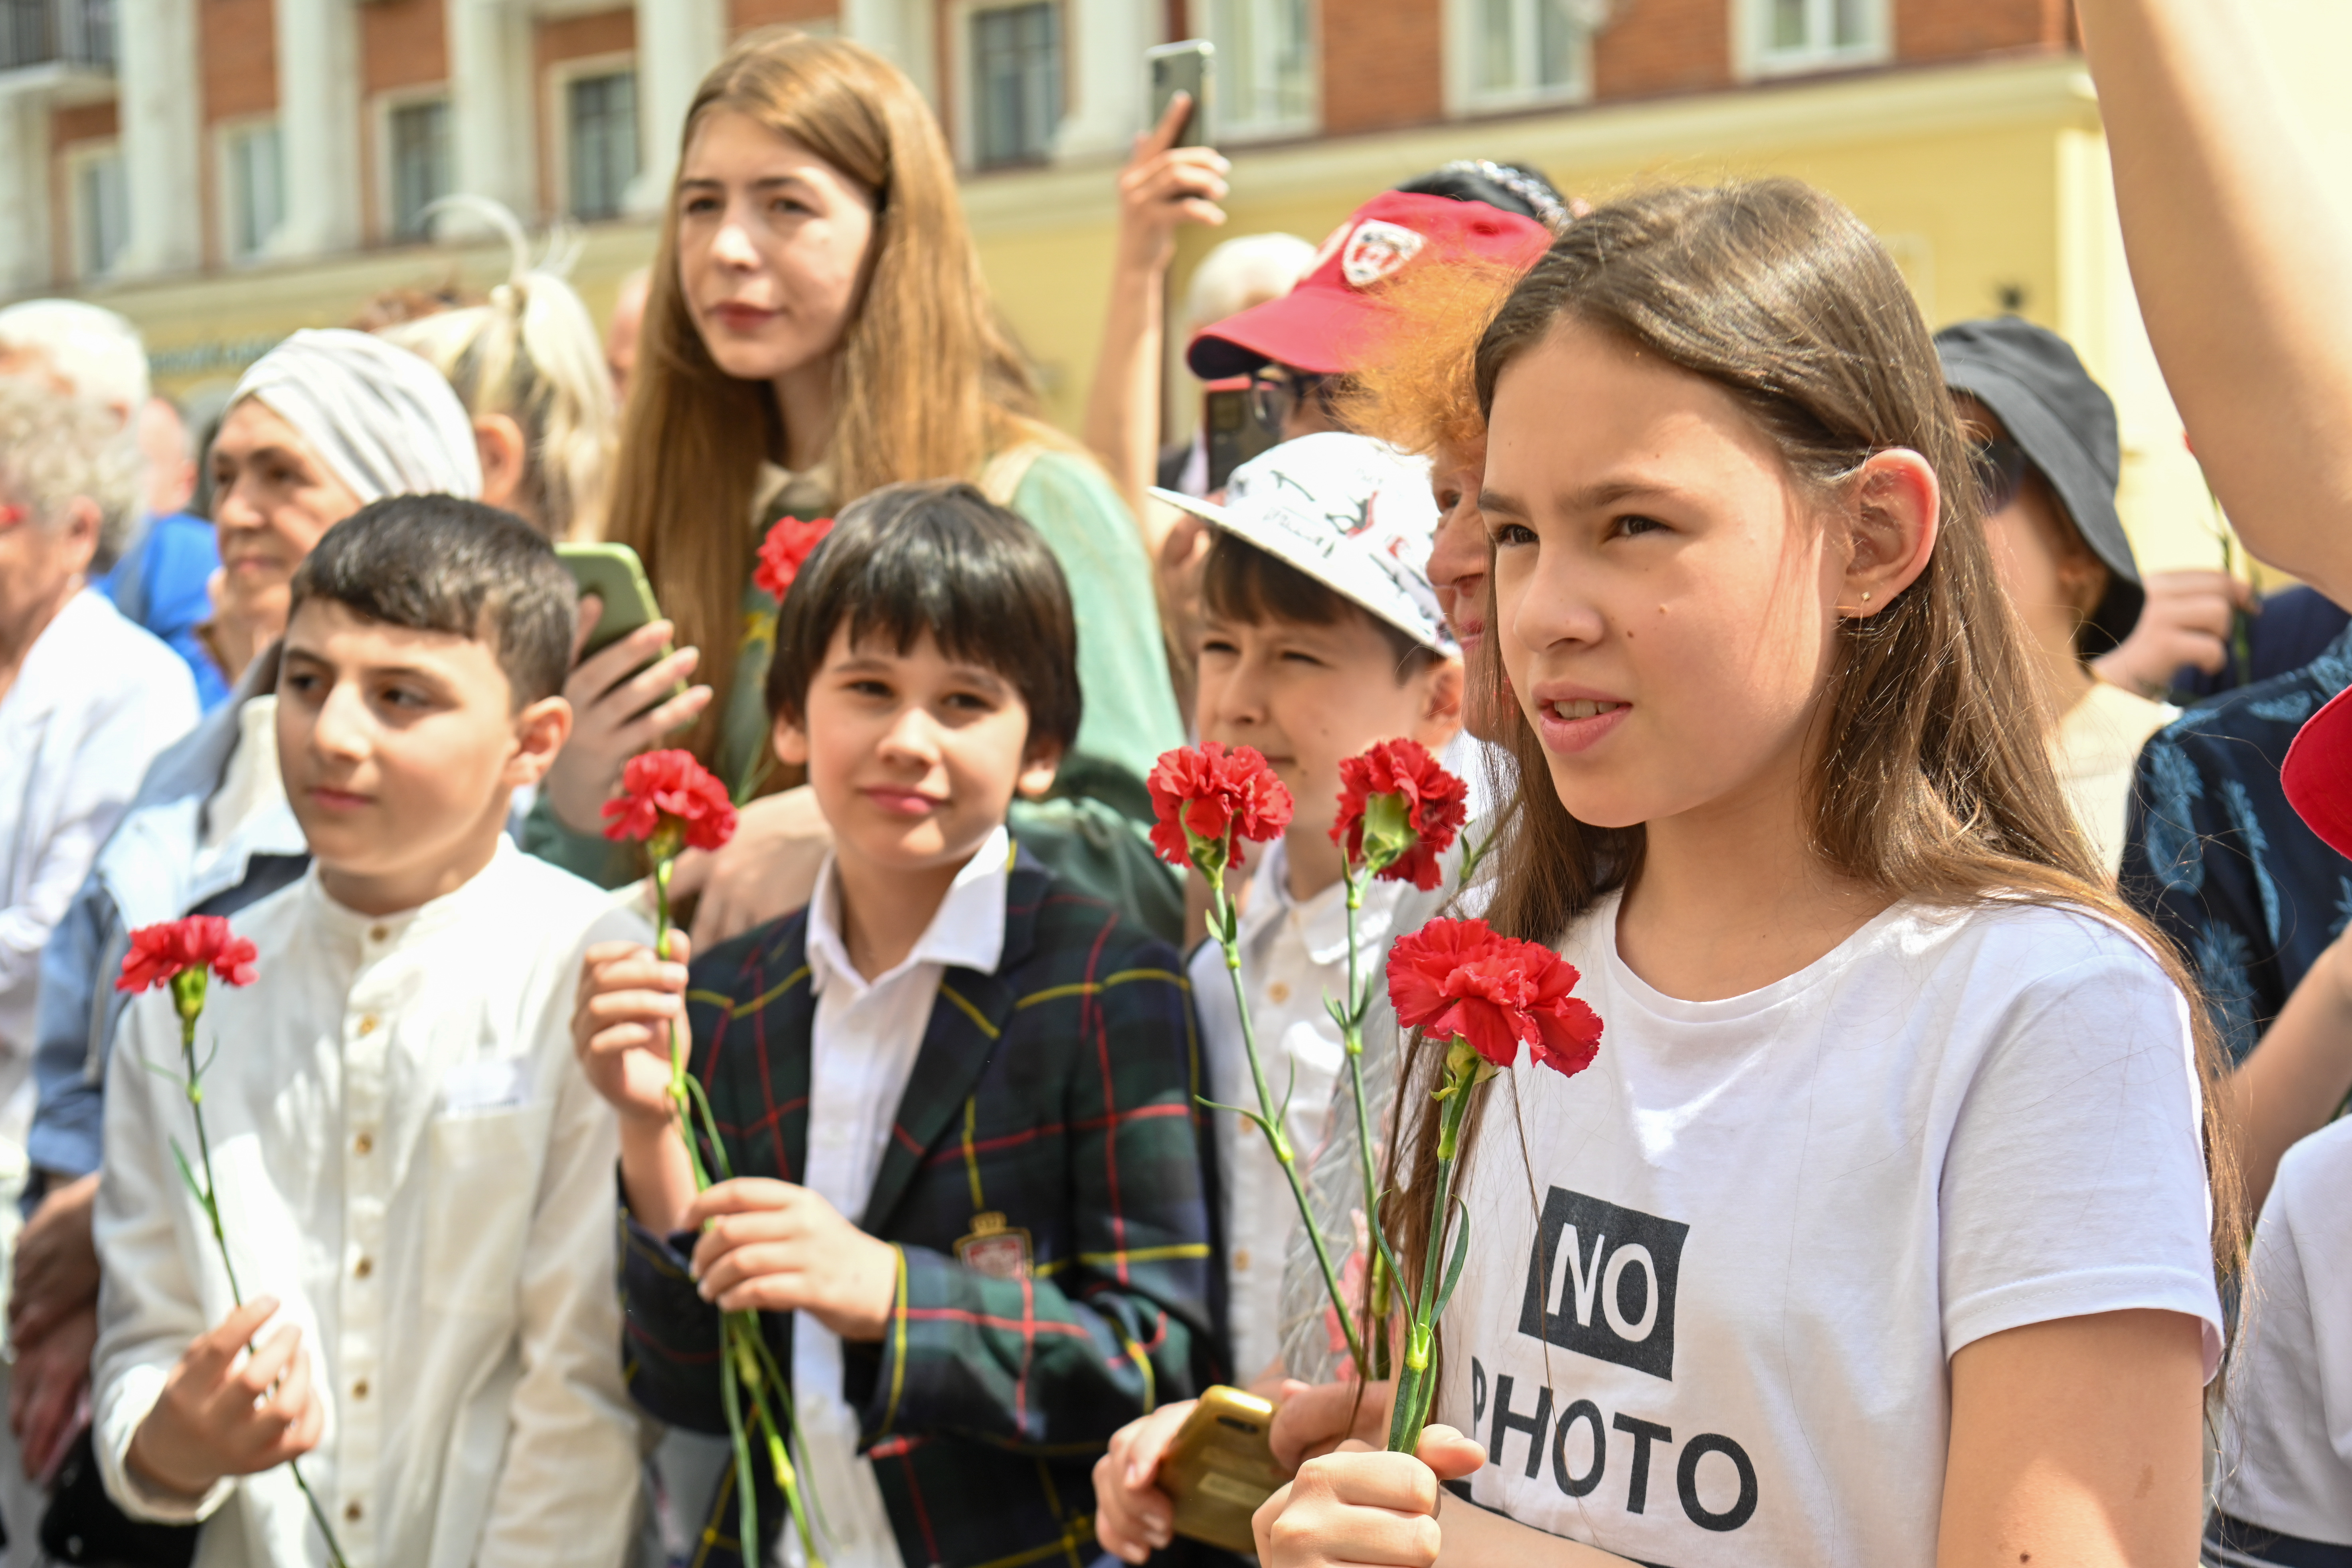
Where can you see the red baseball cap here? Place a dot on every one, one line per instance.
(2317, 774)
(1331, 320)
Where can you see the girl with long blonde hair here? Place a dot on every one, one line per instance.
(1885, 1228)
(817, 327)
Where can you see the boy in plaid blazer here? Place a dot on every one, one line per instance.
(971, 1204)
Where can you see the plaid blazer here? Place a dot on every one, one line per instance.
(1055, 1098)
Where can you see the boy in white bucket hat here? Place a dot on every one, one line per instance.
(1320, 636)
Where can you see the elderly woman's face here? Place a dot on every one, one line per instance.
(42, 562)
(272, 499)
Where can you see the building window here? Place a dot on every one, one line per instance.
(1524, 51)
(417, 135)
(255, 188)
(101, 213)
(1266, 66)
(68, 32)
(601, 121)
(1016, 83)
(1815, 35)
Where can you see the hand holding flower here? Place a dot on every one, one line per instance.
(224, 1412)
(1359, 1506)
(624, 1010)
(774, 1247)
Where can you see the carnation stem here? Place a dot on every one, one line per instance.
(1221, 911)
(740, 1353)
(1351, 1036)
(188, 995)
(1410, 1413)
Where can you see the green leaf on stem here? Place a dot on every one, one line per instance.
(1461, 1256)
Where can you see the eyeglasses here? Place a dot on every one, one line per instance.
(2000, 467)
(1272, 397)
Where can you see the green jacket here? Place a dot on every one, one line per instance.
(1090, 835)
(1051, 1109)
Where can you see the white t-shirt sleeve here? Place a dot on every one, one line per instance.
(2074, 1180)
(2287, 1446)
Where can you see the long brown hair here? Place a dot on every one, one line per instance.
(928, 385)
(1922, 784)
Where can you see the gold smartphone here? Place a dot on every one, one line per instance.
(1220, 1468)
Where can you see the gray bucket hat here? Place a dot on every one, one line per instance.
(2065, 424)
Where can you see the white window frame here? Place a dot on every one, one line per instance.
(228, 183)
(557, 86)
(960, 92)
(1464, 95)
(1230, 124)
(79, 159)
(1752, 54)
(387, 179)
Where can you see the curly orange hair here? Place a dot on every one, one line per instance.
(1421, 392)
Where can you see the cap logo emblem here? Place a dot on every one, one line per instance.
(1376, 249)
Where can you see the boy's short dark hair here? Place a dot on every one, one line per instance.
(437, 564)
(937, 557)
(1242, 583)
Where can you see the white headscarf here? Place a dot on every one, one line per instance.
(380, 417)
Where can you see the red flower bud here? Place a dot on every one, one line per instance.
(1435, 805)
(670, 789)
(1205, 795)
(1462, 980)
(784, 551)
(199, 941)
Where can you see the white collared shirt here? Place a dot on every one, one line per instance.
(94, 702)
(1293, 955)
(865, 1040)
(408, 1158)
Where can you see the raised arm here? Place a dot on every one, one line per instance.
(1161, 187)
(2241, 260)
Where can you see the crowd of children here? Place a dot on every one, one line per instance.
(404, 1188)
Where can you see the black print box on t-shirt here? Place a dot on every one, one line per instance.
(1600, 1281)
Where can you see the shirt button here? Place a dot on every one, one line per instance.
(1277, 992)
(377, 934)
(363, 1269)
(367, 1025)
(363, 1143)
(352, 1511)
(1241, 1260)
(359, 1389)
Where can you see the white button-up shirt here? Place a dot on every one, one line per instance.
(95, 700)
(1292, 954)
(865, 1040)
(409, 1159)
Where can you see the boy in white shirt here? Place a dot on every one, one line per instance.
(1321, 637)
(414, 1179)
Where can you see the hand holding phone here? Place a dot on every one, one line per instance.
(1220, 1468)
(1172, 177)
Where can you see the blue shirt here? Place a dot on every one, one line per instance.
(162, 584)
(2216, 857)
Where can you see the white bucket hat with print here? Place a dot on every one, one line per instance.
(1353, 513)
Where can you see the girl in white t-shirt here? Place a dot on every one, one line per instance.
(1879, 1233)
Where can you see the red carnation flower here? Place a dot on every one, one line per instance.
(784, 551)
(1423, 797)
(1460, 979)
(1206, 795)
(200, 942)
(670, 790)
